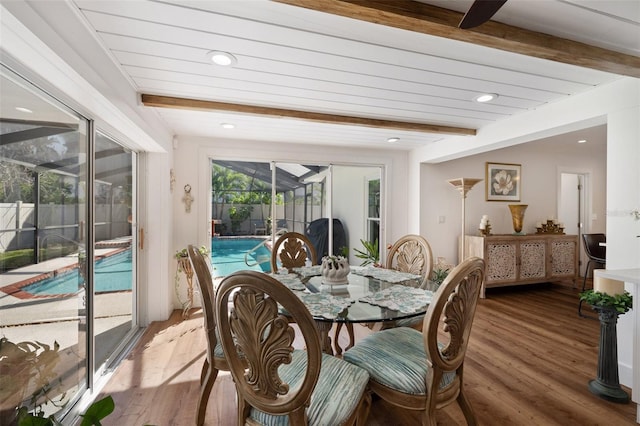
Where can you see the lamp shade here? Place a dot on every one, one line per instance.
(464, 185)
(608, 286)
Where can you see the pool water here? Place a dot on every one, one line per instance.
(112, 273)
(228, 255)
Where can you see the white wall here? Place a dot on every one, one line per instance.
(623, 195)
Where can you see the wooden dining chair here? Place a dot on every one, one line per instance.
(424, 370)
(296, 250)
(215, 359)
(293, 250)
(307, 386)
(411, 254)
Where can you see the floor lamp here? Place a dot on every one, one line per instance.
(463, 185)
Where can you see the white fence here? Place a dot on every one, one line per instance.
(259, 216)
(57, 222)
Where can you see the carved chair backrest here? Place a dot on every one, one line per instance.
(296, 249)
(453, 309)
(254, 327)
(412, 254)
(205, 284)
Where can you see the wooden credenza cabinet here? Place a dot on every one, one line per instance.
(525, 259)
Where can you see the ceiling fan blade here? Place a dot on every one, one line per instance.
(480, 12)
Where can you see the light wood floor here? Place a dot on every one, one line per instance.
(529, 360)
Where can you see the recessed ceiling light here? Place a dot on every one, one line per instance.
(227, 126)
(22, 109)
(485, 97)
(582, 141)
(393, 140)
(224, 59)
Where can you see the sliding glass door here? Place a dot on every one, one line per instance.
(114, 258)
(255, 201)
(67, 264)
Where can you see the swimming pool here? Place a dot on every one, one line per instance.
(228, 255)
(112, 273)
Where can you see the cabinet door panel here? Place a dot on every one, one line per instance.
(533, 260)
(563, 258)
(501, 262)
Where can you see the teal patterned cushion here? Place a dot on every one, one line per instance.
(335, 396)
(217, 351)
(395, 358)
(410, 322)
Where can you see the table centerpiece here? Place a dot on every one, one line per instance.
(335, 270)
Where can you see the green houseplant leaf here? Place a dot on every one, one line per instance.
(98, 411)
(370, 254)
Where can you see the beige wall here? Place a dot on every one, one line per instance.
(541, 167)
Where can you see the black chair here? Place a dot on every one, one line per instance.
(597, 255)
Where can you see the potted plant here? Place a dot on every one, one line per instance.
(440, 271)
(621, 303)
(184, 265)
(370, 254)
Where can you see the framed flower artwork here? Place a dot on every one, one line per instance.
(503, 182)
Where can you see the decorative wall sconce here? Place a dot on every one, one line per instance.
(187, 199)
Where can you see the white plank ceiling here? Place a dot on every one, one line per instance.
(298, 59)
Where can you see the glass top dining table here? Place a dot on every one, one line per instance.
(372, 295)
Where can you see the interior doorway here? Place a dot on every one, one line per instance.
(572, 207)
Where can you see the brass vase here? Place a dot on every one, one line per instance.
(517, 215)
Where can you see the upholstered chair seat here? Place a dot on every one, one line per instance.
(393, 353)
(335, 397)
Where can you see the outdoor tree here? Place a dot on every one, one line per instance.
(225, 184)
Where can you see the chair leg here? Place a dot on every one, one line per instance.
(580, 314)
(207, 380)
(466, 408)
(338, 348)
(586, 273)
(363, 408)
(351, 336)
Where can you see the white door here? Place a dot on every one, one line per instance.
(571, 208)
